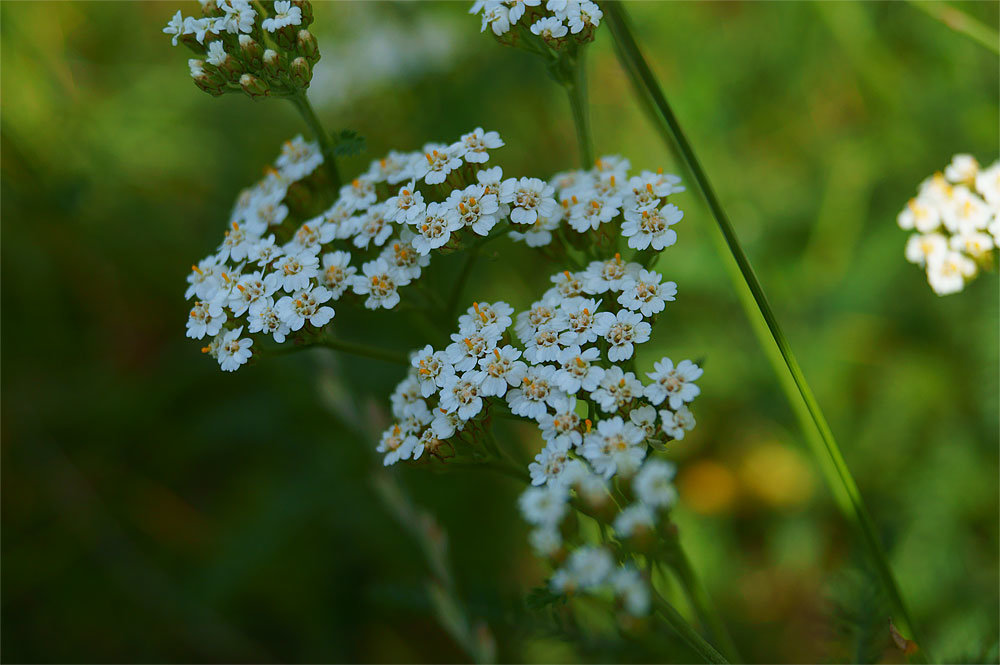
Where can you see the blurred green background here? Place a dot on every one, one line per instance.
(155, 509)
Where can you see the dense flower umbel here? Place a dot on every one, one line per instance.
(241, 49)
(288, 256)
(954, 219)
(563, 369)
(557, 22)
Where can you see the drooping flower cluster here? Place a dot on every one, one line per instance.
(557, 23)
(954, 216)
(568, 368)
(603, 203)
(239, 48)
(288, 257)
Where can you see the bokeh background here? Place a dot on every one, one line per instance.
(155, 509)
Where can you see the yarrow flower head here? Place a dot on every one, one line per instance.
(288, 259)
(557, 23)
(954, 223)
(261, 49)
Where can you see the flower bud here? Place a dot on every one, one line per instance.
(285, 37)
(253, 86)
(307, 46)
(272, 62)
(301, 72)
(251, 51)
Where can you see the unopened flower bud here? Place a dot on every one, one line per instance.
(301, 72)
(253, 86)
(272, 62)
(285, 37)
(251, 51)
(205, 79)
(307, 46)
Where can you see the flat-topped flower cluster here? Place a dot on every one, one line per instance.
(954, 216)
(567, 367)
(280, 269)
(261, 48)
(558, 22)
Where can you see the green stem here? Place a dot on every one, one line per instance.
(576, 90)
(961, 22)
(759, 311)
(364, 350)
(326, 145)
(701, 603)
(683, 629)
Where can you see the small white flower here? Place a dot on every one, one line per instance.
(446, 424)
(644, 418)
(549, 463)
(634, 519)
(433, 369)
(653, 484)
(298, 159)
(675, 423)
(535, 393)
(610, 275)
(549, 28)
(216, 54)
(963, 169)
(264, 252)
(543, 346)
(461, 395)
(175, 27)
(407, 392)
(473, 147)
(236, 243)
(651, 228)
(576, 371)
(475, 208)
(250, 288)
(406, 206)
(379, 282)
(675, 383)
(402, 255)
(562, 428)
(621, 331)
(530, 198)
(501, 368)
(373, 227)
(359, 194)
(615, 447)
(337, 273)
(204, 280)
(396, 444)
(965, 211)
(576, 318)
(305, 306)
(538, 234)
(590, 565)
(284, 14)
(588, 213)
(988, 184)
(947, 273)
(528, 322)
(297, 270)
(973, 243)
(545, 541)
(543, 506)
(483, 314)
(645, 293)
(586, 14)
(434, 227)
(438, 162)
(466, 350)
(616, 389)
(920, 214)
(264, 317)
(232, 352)
(206, 318)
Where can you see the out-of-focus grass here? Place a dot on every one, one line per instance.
(155, 509)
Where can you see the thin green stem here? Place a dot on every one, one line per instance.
(679, 625)
(576, 90)
(960, 22)
(326, 145)
(796, 388)
(701, 603)
(363, 350)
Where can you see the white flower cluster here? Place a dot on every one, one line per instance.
(261, 49)
(590, 201)
(555, 374)
(559, 18)
(954, 217)
(277, 275)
